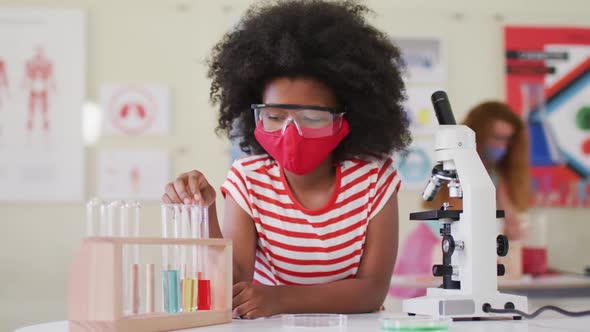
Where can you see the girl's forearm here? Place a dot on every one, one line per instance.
(343, 296)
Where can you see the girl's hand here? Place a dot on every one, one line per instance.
(253, 301)
(189, 188)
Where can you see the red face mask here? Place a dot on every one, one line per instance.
(296, 153)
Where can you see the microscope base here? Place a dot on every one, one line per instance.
(451, 303)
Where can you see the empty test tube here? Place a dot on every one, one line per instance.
(114, 216)
(123, 231)
(150, 288)
(126, 221)
(93, 220)
(102, 225)
(133, 209)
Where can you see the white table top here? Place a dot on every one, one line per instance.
(370, 322)
(526, 282)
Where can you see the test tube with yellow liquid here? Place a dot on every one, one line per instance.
(188, 283)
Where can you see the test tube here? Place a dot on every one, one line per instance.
(123, 219)
(195, 261)
(170, 278)
(187, 272)
(114, 215)
(150, 288)
(177, 255)
(102, 226)
(164, 218)
(204, 283)
(133, 209)
(93, 208)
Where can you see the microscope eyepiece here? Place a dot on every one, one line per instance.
(442, 108)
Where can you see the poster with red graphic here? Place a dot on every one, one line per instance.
(3, 84)
(548, 84)
(134, 110)
(132, 174)
(42, 90)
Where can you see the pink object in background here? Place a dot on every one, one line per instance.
(415, 258)
(534, 260)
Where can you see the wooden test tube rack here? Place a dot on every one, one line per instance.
(96, 287)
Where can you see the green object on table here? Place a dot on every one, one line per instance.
(414, 324)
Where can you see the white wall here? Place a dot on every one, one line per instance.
(166, 41)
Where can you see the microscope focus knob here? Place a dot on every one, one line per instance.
(501, 270)
(442, 270)
(502, 245)
(448, 245)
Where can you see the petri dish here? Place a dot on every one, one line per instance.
(318, 322)
(414, 323)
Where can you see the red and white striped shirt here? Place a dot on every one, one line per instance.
(298, 246)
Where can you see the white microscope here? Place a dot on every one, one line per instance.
(470, 240)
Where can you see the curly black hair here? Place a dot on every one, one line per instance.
(330, 42)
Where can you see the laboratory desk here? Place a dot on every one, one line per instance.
(557, 286)
(370, 322)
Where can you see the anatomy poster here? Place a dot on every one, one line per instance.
(134, 110)
(548, 84)
(42, 87)
(131, 174)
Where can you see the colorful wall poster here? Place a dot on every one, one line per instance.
(548, 84)
(418, 107)
(415, 166)
(134, 110)
(133, 174)
(425, 58)
(42, 89)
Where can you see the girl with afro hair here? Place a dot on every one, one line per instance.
(314, 95)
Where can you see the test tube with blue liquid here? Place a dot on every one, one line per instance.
(170, 268)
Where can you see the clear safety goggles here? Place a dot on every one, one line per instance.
(310, 121)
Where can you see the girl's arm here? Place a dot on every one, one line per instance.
(364, 293)
(239, 227)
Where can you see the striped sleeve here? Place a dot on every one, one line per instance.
(388, 182)
(235, 186)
